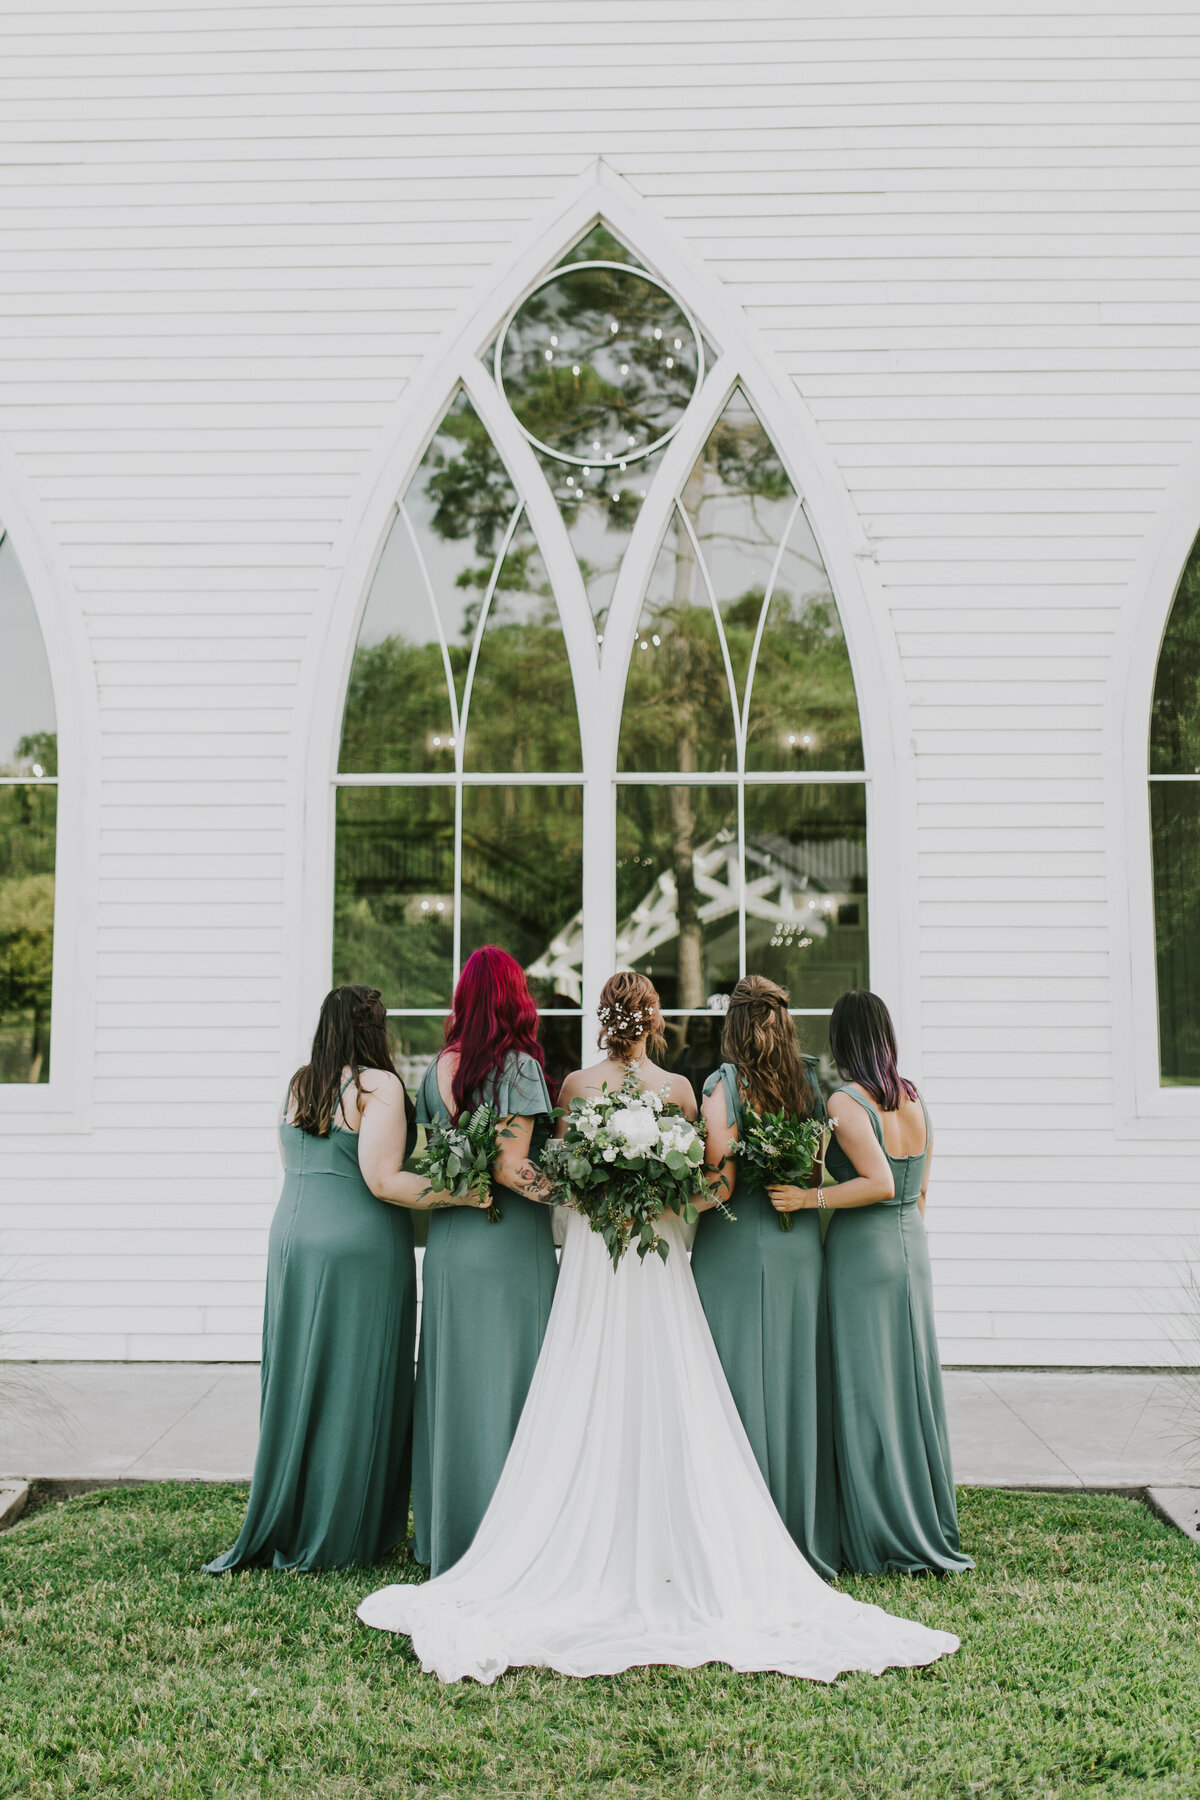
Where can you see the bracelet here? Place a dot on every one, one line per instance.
(821, 1207)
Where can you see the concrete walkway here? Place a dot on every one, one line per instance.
(198, 1421)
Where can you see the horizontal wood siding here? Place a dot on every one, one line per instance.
(971, 239)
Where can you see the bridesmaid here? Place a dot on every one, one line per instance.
(898, 1509)
(486, 1286)
(331, 1476)
(763, 1289)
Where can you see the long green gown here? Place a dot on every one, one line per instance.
(486, 1291)
(331, 1477)
(763, 1294)
(898, 1508)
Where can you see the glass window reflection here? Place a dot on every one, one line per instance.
(394, 892)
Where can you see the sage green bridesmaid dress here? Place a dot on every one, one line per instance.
(763, 1294)
(898, 1508)
(331, 1477)
(486, 1291)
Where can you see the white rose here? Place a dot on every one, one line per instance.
(635, 1126)
(610, 1154)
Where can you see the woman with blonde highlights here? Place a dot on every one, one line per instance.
(763, 1289)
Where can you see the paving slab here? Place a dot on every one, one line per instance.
(14, 1496)
(1180, 1507)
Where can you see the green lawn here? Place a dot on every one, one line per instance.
(124, 1670)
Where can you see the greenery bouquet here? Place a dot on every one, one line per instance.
(780, 1148)
(625, 1159)
(458, 1159)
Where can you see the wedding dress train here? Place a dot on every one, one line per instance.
(631, 1523)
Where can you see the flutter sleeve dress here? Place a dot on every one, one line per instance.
(898, 1506)
(763, 1294)
(486, 1291)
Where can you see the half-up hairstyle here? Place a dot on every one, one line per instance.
(351, 1034)
(493, 1016)
(759, 1039)
(629, 1010)
(862, 1041)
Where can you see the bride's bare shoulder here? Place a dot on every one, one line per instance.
(587, 1081)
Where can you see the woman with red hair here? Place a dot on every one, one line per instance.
(487, 1284)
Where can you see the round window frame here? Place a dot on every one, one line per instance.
(630, 456)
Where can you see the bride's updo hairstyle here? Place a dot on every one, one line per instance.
(628, 1011)
(862, 1041)
(759, 1039)
(351, 1034)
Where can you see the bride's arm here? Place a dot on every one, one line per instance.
(720, 1164)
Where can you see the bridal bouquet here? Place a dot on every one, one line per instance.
(779, 1148)
(626, 1158)
(458, 1159)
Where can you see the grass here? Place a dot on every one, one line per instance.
(124, 1670)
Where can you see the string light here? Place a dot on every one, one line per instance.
(657, 334)
(554, 343)
(613, 326)
(549, 356)
(670, 362)
(678, 343)
(574, 368)
(570, 481)
(656, 640)
(624, 368)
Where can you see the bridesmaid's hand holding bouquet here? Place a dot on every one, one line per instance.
(780, 1150)
(458, 1158)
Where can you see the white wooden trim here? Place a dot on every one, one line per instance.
(1144, 1107)
(64, 1100)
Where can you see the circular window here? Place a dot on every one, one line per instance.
(599, 364)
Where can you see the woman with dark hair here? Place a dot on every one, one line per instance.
(486, 1284)
(331, 1477)
(763, 1289)
(898, 1508)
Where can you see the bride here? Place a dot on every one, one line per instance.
(631, 1524)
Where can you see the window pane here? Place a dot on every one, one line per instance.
(600, 510)
(414, 1044)
(806, 889)
(677, 890)
(678, 715)
(394, 893)
(803, 708)
(598, 365)
(522, 717)
(397, 714)
(740, 503)
(27, 826)
(1175, 717)
(27, 723)
(1175, 823)
(522, 877)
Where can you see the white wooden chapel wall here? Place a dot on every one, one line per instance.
(240, 246)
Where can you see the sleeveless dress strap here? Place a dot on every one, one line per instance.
(868, 1107)
(340, 1105)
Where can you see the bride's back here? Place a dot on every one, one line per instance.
(611, 1073)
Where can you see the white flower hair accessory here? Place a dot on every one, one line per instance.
(622, 1022)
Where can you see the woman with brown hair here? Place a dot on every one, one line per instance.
(763, 1289)
(331, 1478)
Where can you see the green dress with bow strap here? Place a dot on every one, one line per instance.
(898, 1507)
(486, 1292)
(331, 1477)
(763, 1294)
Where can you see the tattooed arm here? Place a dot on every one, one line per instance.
(514, 1168)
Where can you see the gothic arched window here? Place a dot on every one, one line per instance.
(28, 797)
(1175, 832)
(695, 746)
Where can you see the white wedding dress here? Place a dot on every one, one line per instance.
(631, 1523)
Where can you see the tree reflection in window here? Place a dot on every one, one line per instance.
(28, 811)
(598, 365)
(1175, 832)
(460, 672)
(739, 668)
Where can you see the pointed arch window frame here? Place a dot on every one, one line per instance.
(1143, 1107)
(887, 763)
(65, 1100)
